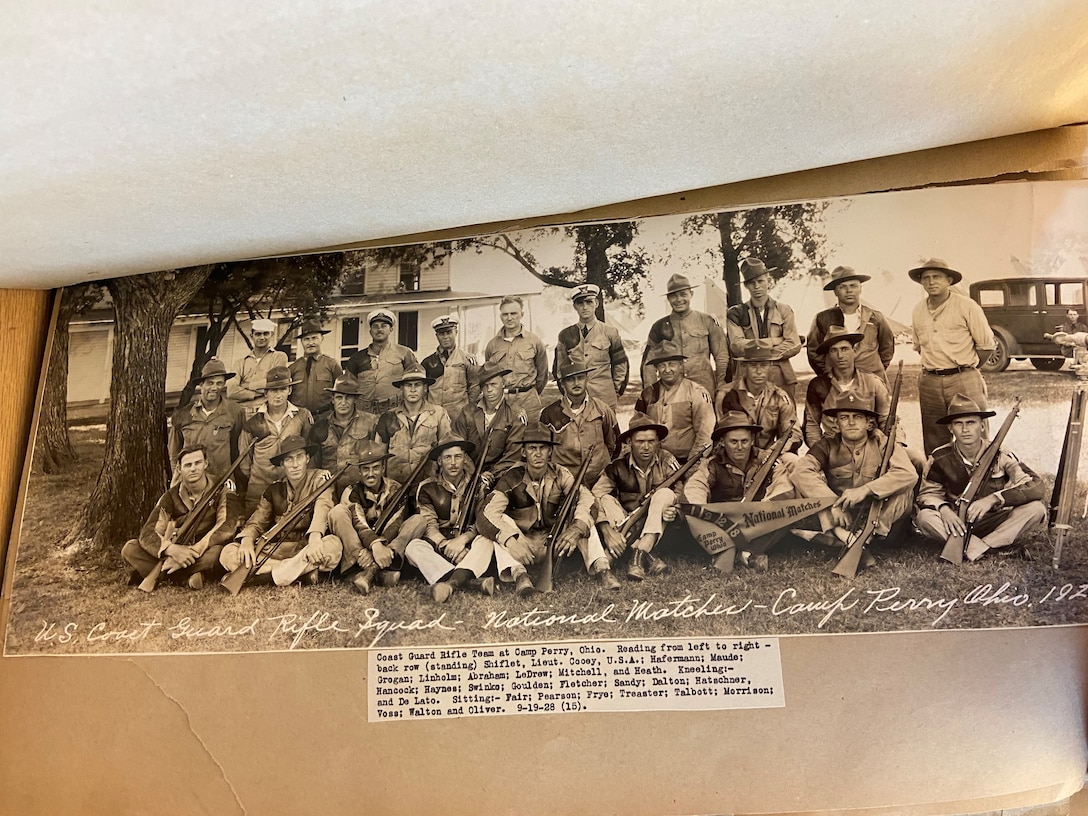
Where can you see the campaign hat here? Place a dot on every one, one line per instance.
(962, 405)
(939, 265)
(572, 370)
(489, 371)
(413, 374)
(585, 291)
(369, 451)
(381, 314)
(451, 442)
(311, 326)
(752, 268)
(758, 354)
(289, 445)
(841, 274)
(278, 377)
(836, 334)
(678, 283)
(345, 384)
(641, 422)
(539, 433)
(214, 368)
(668, 351)
(444, 322)
(849, 401)
(734, 421)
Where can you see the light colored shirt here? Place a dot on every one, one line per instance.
(946, 337)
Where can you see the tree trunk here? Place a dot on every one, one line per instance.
(730, 262)
(597, 266)
(133, 474)
(52, 447)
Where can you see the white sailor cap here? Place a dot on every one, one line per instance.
(263, 324)
(445, 322)
(586, 290)
(381, 314)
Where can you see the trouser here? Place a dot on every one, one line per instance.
(291, 560)
(997, 530)
(610, 510)
(143, 562)
(527, 549)
(935, 392)
(893, 508)
(422, 555)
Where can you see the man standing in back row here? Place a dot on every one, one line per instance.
(876, 347)
(953, 338)
(252, 369)
(595, 346)
(523, 353)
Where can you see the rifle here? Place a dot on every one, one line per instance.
(635, 516)
(182, 535)
(956, 546)
(270, 540)
(1065, 485)
(566, 510)
(473, 487)
(848, 564)
(398, 498)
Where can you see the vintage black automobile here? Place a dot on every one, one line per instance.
(1021, 311)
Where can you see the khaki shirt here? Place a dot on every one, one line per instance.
(685, 410)
(524, 354)
(948, 336)
(700, 337)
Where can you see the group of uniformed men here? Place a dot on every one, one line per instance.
(405, 440)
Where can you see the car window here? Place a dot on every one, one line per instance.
(1065, 294)
(1022, 294)
(991, 296)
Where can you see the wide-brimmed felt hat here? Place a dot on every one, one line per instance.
(540, 433)
(384, 315)
(841, 274)
(962, 405)
(836, 334)
(369, 451)
(678, 283)
(415, 374)
(278, 377)
(641, 422)
(289, 445)
(568, 370)
(312, 326)
(451, 442)
(445, 323)
(584, 292)
(734, 421)
(849, 401)
(934, 263)
(752, 268)
(489, 371)
(759, 354)
(345, 384)
(667, 351)
(214, 368)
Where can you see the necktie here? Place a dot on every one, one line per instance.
(585, 331)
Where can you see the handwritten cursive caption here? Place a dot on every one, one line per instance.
(645, 675)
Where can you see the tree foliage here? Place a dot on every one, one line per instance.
(791, 238)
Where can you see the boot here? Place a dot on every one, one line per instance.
(484, 585)
(655, 566)
(389, 577)
(636, 566)
(607, 580)
(523, 585)
(364, 579)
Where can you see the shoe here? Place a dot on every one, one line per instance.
(309, 578)
(196, 580)
(867, 560)
(364, 580)
(523, 587)
(636, 566)
(484, 585)
(609, 581)
(389, 578)
(441, 592)
(759, 562)
(655, 566)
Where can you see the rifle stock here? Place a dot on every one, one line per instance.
(850, 560)
(1061, 500)
(182, 535)
(270, 541)
(956, 546)
(546, 581)
(473, 485)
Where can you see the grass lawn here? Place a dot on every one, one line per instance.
(71, 603)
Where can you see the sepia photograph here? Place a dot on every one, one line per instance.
(822, 417)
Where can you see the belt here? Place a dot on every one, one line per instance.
(944, 372)
(521, 389)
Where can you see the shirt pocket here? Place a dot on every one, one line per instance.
(221, 430)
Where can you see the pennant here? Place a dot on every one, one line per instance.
(745, 521)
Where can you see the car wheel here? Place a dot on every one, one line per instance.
(1048, 363)
(999, 360)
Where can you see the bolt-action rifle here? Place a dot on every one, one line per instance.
(184, 533)
(956, 546)
(562, 520)
(1065, 485)
(630, 524)
(469, 499)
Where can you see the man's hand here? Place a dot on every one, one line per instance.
(170, 565)
(614, 542)
(487, 480)
(670, 514)
(249, 555)
(980, 507)
(455, 549)
(314, 539)
(570, 537)
(383, 555)
(851, 497)
(952, 521)
(182, 556)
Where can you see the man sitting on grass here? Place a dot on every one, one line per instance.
(218, 520)
(300, 555)
(1007, 506)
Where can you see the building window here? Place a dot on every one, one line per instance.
(409, 277)
(349, 338)
(408, 329)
